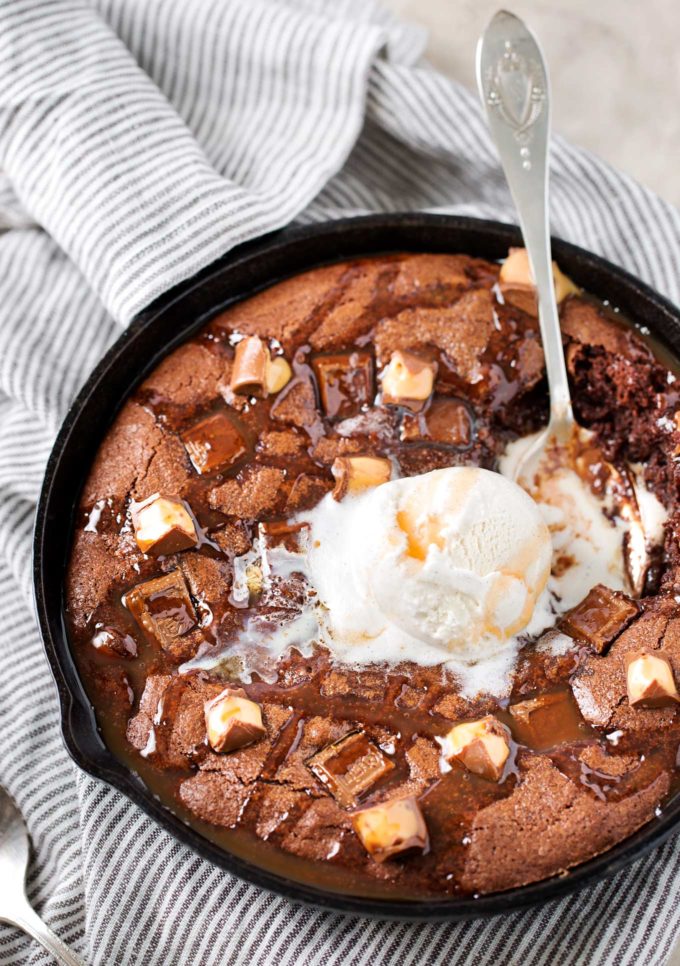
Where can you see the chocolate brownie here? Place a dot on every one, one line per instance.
(312, 759)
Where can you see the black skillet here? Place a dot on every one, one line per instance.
(152, 335)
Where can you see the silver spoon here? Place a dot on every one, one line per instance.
(513, 85)
(512, 79)
(14, 906)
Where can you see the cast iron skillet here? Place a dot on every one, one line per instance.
(152, 335)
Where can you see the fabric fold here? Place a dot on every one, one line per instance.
(102, 160)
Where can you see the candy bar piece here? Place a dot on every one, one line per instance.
(233, 721)
(345, 382)
(392, 828)
(482, 746)
(547, 720)
(162, 607)
(356, 473)
(650, 681)
(163, 525)
(600, 617)
(254, 372)
(446, 421)
(407, 380)
(213, 443)
(517, 284)
(349, 767)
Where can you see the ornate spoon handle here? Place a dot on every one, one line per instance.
(513, 85)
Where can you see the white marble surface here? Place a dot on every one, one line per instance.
(614, 64)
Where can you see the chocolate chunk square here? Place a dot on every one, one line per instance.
(447, 421)
(163, 609)
(548, 720)
(392, 828)
(345, 382)
(649, 680)
(600, 617)
(213, 443)
(349, 767)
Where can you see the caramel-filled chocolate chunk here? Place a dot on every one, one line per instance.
(254, 372)
(233, 721)
(345, 382)
(548, 720)
(162, 526)
(407, 380)
(356, 473)
(213, 443)
(349, 767)
(162, 607)
(392, 828)
(483, 746)
(517, 285)
(600, 617)
(650, 681)
(249, 372)
(447, 421)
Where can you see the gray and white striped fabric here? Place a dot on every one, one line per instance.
(139, 140)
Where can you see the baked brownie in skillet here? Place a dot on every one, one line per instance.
(194, 616)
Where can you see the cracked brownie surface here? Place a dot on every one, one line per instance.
(336, 741)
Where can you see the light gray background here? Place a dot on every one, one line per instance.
(615, 68)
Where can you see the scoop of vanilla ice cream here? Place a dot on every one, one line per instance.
(452, 563)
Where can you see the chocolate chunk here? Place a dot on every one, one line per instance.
(249, 372)
(392, 828)
(213, 443)
(548, 720)
(407, 380)
(254, 372)
(446, 421)
(233, 721)
(350, 767)
(345, 382)
(649, 680)
(482, 746)
(600, 617)
(517, 285)
(162, 607)
(163, 525)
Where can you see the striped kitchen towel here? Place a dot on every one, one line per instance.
(139, 140)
